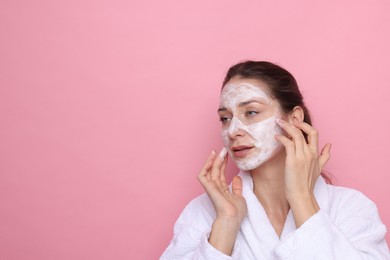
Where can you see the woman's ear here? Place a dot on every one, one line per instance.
(296, 114)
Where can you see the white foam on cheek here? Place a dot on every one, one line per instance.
(263, 134)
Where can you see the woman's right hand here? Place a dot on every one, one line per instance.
(227, 204)
(230, 206)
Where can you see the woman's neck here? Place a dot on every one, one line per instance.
(268, 186)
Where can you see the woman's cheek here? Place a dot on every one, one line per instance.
(225, 138)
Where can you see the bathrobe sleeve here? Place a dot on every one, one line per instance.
(352, 229)
(191, 233)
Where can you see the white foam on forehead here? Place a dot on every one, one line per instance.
(232, 94)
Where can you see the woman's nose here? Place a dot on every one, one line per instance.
(236, 128)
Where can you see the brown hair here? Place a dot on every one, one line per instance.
(281, 83)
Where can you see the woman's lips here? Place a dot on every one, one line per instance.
(241, 152)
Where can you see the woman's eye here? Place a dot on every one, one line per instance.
(224, 119)
(251, 113)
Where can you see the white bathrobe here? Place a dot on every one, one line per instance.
(347, 227)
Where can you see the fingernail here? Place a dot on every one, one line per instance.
(223, 153)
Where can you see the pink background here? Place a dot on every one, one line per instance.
(108, 110)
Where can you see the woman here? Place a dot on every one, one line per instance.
(279, 206)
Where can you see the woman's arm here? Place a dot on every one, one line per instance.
(230, 207)
(302, 168)
(191, 234)
(356, 233)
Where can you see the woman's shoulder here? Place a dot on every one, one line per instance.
(341, 194)
(354, 213)
(344, 201)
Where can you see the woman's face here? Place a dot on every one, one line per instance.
(248, 115)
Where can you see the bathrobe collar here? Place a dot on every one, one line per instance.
(257, 228)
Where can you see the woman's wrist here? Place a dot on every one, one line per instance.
(303, 206)
(223, 234)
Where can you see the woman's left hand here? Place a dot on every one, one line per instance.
(303, 167)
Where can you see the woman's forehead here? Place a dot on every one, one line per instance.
(242, 91)
(237, 80)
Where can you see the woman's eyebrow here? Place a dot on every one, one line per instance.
(248, 102)
(242, 104)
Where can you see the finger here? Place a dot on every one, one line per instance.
(208, 163)
(312, 135)
(217, 164)
(287, 143)
(223, 153)
(237, 186)
(296, 135)
(202, 176)
(325, 156)
(223, 168)
(222, 180)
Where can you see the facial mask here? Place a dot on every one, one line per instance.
(261, 133)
